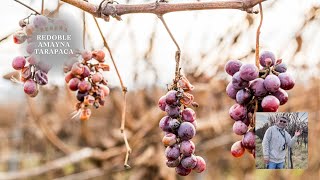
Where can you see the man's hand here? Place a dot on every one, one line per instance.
(298, 133)
(266, 160)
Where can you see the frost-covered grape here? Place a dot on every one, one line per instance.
(73, 84)
(238, 112)
(86, 55)
(188, 115)
(237, 149)
(270, 104)
(237, 82)
(182, 171)
(172, 152)
(249, 140)
(18, 62)
(41, 77)
(281, 68)
(271, 83)
(19, 37)
(173, 111)
(281, 95)
(169, 139)
(171, 98)
(86, 72)
(189, 162)
(287, 81)
(187, 148)
(173, 163)
(248, 72)
(77, 68)
(84, 86)
(98, 55)
(162, 103)
(186, 131)
(30, 87)
(232, 66)
(243, 96)
(201, 165)
(257, 87)
(164, 124)
(174, 124)
(239, 128)
(40, 21)
(231, 91)
(267, 55)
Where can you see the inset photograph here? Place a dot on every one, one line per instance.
(282, 140)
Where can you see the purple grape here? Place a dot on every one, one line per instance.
(239, 128)
(249, 72)
(231, 91)
(258, 88)
(169, 139)
(164, 124)
(281, 68)
(40, 21)
(249, 140)
(271, 83)
(86, 72)
(243, 96)
(189, 162)
(265, 56)
(73, 84)
(237, 149)
(30, 87)
(182, 171)
(173, 112)
(171, 98)
(18, 62)
(41, 77)
(281, 95)
(162, 103)
(172, 152)
(237, 82)
(186, 131)
(188, 115)
(287, 81)
(232, 66)
(270, 104)
(237, 112)
(84, 86)
(173, 163)
(187, 148)
(80, 96)
(201, 165)
(174, 124)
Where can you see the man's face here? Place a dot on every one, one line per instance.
(282, 123)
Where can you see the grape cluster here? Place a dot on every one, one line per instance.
(179, 126)
(86, 78)
(253, 90)
(33, 71)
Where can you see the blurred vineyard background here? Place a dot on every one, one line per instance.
(145, 55)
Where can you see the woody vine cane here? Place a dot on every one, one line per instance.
(255, 89)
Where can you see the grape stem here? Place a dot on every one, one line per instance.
(177, 56)
(258, 36)
(27, 6)
(124, 90)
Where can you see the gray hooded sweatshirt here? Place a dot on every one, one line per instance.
(273, 142)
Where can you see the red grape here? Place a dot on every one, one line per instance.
(270, 104)
(188, 115)
(238, 112)
(281, 95)
(248, 72)
(186, 131)
(237, 149)
(201, 165)
(249, 140)
(267, 55)
(287, 82)
(272, 83)
(232, 66)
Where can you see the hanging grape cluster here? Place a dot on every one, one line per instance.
(86, 78)
(33, 71)
(254, 90)
(179, 126)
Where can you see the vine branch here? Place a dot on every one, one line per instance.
(124, 90)
(160, 8)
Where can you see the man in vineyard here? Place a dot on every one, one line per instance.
(275, 142)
